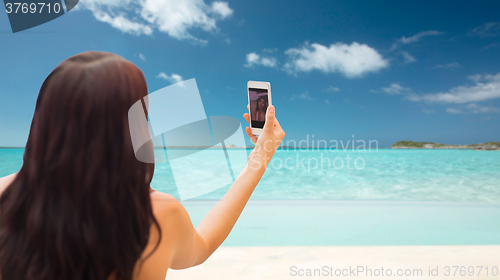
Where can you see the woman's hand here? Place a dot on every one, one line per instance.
(268, 141)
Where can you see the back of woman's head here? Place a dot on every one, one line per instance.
(80, 207)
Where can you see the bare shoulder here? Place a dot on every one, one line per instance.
(165, 205)
(171, 215)
(6, 181)
(163, 199)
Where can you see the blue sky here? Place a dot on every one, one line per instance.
(390, 71)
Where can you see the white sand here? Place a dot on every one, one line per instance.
(276, 262)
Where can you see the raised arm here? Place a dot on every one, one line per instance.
(196, 245)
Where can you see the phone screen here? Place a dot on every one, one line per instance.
(258, 106)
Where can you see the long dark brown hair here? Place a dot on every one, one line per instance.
(80, 206)
(265, 104)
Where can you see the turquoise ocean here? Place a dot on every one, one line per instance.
(377, 197)
(385, 174)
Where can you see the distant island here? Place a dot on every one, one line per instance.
(431, 145)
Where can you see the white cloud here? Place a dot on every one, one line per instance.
(476, 78)
(473, 108)
(174, 78)
(418, 36)
(142, 57)
(490, 29)
(428, 111)
(266, 50)
(255, 59)
(485, 87)
(492, 45)
(327, 101)
(222, 8)
(408, 58)
(351, 60)
(452, 65)
(393, 89)
(303, 95)
(415, 38)
(332, 88)
(174, 17)
(454, 111)
(122, 23)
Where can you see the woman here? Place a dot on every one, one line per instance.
(81, 206)
(259, 114)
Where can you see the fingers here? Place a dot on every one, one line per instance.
(277, 123)
(247, 117)
(248, 130)
(270, 117)
(251, 135)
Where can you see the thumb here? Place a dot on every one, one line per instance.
(269, 125)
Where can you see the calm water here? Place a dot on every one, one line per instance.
(394, 175)
(390, 197)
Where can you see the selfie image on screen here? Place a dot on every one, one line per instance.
(258, 106)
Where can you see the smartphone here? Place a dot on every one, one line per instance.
(259, 98)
